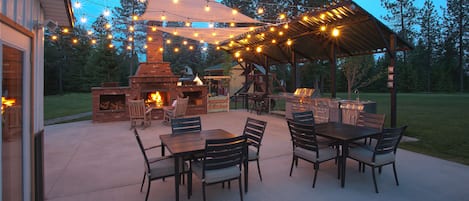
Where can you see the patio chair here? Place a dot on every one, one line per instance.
(138, 113)
(371, 120)
(305, 146)
(307, 117)
(157, 168)
(384, 153)
(186, 125)
(254, 131)
(222, 162)
(179, 110)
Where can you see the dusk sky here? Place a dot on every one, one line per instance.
(91, 9)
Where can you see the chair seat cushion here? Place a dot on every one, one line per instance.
(365, 154)
(214, 176)
(252, 154)
(324, 154)
(164, 167)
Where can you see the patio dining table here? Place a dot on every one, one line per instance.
(344, 134)
(190, 144)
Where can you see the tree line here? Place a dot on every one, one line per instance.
(437, 63)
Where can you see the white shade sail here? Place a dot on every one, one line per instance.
(192, 11)
(208, 35)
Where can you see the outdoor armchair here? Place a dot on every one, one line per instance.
(305, 146)
(307, 117)
(222, 162)
(254, 131)
(179, 110)
(186, 125)
(139, 113)
(384, 153)
(158, 167)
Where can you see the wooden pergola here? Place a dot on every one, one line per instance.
(338, 30)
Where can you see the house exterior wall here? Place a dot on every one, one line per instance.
(18, 30)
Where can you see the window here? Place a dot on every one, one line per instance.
(12, 139)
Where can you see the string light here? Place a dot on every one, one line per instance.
(175, 1)
(282, 16)
(323, 28)
(272, 29)
(259, 49)
(161, 49)
(218, 47)
(106, 12)
(280, 33)
(93, 41)
(77, 5)
(274, 41)
(251, 28)
(191, 47)
(188, 24)
(150, 38)
(168, 41)
(196, 34)
(145, 46)
(135, 17)
(285, 26)
(232, 24)
(322, 16)
(207, 8)
(176, 49)
(248, 48)
(65, 30)
(131, 38)
(108, 26)
(90, 32)
(240, 59)
(214, 33)
(83, 19)
(248, 36)
(184, 42)
(175, 33)
(289, 42)
(129, 47)
(335, 32)
(109, 36)
(305, 18)
(163, 17)
(131, 28)
(234, 11)
(260, 10)
(54, 37)
(111, 45)
(237, 54)
(153, 28)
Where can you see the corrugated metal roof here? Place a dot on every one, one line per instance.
(311, 36)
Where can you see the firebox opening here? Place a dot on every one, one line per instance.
(195, 97)
(112, 102)
(156, 99)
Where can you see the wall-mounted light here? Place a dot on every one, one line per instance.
(390, 82)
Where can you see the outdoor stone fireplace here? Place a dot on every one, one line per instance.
(154, 82)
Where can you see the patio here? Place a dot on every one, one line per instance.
(86, 161)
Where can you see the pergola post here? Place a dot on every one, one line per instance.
(294, 72)
(392, 76)
(267, 71)
(333, 67)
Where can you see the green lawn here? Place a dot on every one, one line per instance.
(67, 104)
(437, 120)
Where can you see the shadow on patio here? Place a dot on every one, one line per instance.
(101, 161)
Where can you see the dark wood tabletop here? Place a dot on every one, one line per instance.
(344, 132)
(186, 143)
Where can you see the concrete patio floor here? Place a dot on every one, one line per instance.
(101, 161)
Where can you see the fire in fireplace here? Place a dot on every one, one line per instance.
(156, 99)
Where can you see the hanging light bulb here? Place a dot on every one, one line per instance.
(90, 32)
(207, 8)
(175, 1)
(289, 42)
(93, 41)
(75, 41)
(232, 24)
(248, 36)
(280, 33)
(163, 17)
(168, 41)
(131, 38)
(129, 47)
(191, 47)
(201, 41)
(135, 17)
(274, 41)
(251, 28)
(240, 59)
(161, 49)
(106, 12)
(211, 25)
(214, 34)
(150, 38)
(322, 16)
(237, 54)
(323, 28)
(260, 10)
(285, 26)
(234, 11)
(176, 49)
(184, 42)
(77, 5)
(231, 36)
(282, 16)
(109, 36)
(175, 33)
(83, 19)
(305, 18)
(272, 29)
(248, 48)
(65, 30)
(108, 26)
(259, 49)
(131, 28)
(218, 47)
(145, 46)
(111, 45)
(335, 32)
(187, 24)
(196, 34)
(54, 37)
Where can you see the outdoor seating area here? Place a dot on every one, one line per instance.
(79, 157)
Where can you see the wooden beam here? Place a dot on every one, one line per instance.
(393, 90)
(333, 67)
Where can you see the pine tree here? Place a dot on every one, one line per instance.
(429, 28)
(357, 71)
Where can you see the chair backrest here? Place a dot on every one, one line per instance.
(181, 107)
(388, 141)
(321, 114)
(303, 136)
(142, 149)
(371, 120)
(254, 131)
(136, 108)
(224, 153)
(186, 125)
(306, 117)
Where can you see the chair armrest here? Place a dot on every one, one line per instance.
(152, 147)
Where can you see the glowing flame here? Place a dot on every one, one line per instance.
(155, 98)
(7, 103)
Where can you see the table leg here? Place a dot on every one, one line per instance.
(246, 175)
(344, 163)
(176, 177)
(162, 149)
